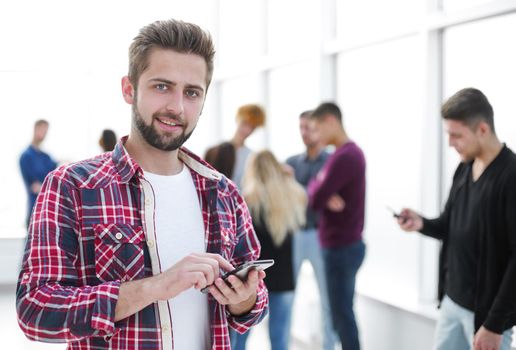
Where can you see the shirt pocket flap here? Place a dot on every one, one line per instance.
(119, 252)
(114, 234)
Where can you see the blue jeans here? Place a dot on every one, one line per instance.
(280, 310)
(341, 266)
(307, 247)
(238, 340)
(455, 328)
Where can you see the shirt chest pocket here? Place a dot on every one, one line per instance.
(119, 252)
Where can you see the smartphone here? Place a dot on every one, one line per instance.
(397, 215)
(241, 271)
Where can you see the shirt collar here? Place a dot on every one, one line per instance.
(127, 167)
(317, 158)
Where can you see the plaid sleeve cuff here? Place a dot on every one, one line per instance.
(242, 323)
(103, 316)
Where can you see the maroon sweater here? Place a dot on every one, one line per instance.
(344, 175)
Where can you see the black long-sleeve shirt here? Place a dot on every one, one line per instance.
(490, 206)
(280, 276)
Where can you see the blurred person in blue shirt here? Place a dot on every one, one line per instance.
(305, 167)
(35, 165)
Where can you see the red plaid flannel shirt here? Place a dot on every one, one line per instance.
(92, 228)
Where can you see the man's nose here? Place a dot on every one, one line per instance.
(175, 103)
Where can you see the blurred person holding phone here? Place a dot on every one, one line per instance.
(120, 245)
(277, 204)
(477, 228)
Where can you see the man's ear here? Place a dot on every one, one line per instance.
(483, 128)
(128, 90)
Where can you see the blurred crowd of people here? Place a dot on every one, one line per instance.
(290, 202)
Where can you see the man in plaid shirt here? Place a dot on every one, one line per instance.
(120, 245)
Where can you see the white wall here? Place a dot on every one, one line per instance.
(388, 327)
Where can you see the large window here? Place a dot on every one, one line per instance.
(369, 20)
(242, 34)
(293, 89)
(379, 92)
(293, 27)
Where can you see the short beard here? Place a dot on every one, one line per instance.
(151, 136)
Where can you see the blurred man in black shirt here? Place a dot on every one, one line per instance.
(477, 275)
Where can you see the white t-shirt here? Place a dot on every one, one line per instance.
(180, 232)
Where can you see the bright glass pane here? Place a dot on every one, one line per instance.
(292, 90)
(242, 31)
(364, 20)
(379, 93)
(455, 5)
(293, 26)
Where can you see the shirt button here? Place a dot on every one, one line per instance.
(165, 328)
(119, 235)
(25, 276)
(150, 243)
(148, 201)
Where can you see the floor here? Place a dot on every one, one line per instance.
(305, 321)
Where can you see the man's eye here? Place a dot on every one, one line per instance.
(162, 87)
(192, 93)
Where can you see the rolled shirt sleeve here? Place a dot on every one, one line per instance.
(52, 302)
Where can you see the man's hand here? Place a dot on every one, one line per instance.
(336, 203)
(194, 270)
(288, 170)
(238, 295)
(410, 221)
(35, 187)
(487, 340)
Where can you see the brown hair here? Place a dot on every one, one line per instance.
(222, 157)
(306, 114)
(108, 140)
(40, 122)
(252, 114)
(171, 34)
(326, 108)
(469, 106)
